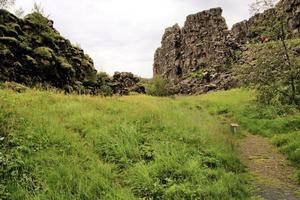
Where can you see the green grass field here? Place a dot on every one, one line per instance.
(55, 146)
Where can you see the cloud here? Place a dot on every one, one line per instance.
(122, 35)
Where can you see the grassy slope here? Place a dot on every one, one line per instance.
(54, 146)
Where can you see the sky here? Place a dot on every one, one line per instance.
(122, 35)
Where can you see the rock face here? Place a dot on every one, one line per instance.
(33, 53)
(123, 83)
(292, 8)
(167, 58)
(203, 47)
(197, 58)
(261, 26)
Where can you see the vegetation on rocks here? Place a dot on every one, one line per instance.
(34, 53)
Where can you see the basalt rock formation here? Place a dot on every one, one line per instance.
(197, 58)
(123, 83)
(33, 53)
(261, 26)
(292, 8)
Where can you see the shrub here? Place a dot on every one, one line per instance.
(273, 71)
(159, 87)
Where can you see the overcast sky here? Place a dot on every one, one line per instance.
(122, 35)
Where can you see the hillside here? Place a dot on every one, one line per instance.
(80, 147)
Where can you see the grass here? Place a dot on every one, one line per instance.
(54, 146)
(281, 124)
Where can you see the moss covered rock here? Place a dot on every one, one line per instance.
(35, 53)
(44, 52)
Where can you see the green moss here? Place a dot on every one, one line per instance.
(3, 30)
(30, 60)
(64, 63)
(5, 51)
(37, 18)
(15, 27)
(6, 16)
(44, 52)
(9, 41)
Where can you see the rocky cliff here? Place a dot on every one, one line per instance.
(292, 8)
(203, 48)
(197, 58)
(266, 25)
(33, 53)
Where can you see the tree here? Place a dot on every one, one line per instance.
(159, 86)
(4, 4)
(276, 78)
(261, 5)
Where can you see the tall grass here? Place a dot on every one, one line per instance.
(55, 146)
(280, 123)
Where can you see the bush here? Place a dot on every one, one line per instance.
(159, 87)
(273, 71)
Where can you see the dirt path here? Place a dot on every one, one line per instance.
(273, 175)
